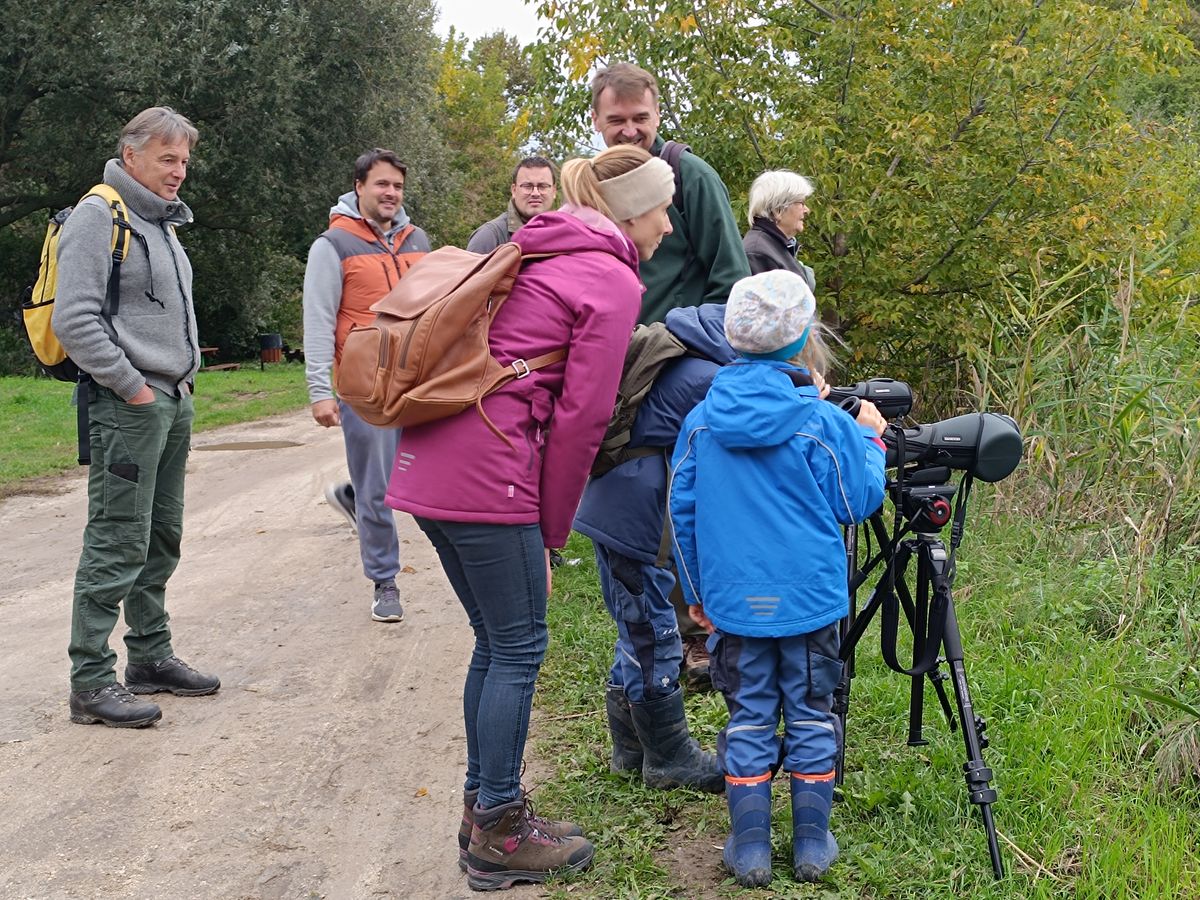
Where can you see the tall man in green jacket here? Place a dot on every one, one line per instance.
(698, 262)
(703, 256)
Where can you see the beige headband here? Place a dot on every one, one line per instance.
(639, 190)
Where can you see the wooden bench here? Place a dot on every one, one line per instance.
(205, 366)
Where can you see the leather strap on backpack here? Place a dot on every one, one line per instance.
(518, 368)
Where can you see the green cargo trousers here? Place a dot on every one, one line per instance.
(134, 527)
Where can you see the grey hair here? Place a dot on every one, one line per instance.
(773, 192)
(160, 122)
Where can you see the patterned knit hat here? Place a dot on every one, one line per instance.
(769, 315)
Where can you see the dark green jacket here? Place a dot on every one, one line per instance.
(703, 257)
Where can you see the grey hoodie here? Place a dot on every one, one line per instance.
(152, 339)
(323, 297)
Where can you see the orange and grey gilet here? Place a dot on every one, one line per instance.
(371, 266)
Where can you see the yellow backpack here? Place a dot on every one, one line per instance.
(38, 305)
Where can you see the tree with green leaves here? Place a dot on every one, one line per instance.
(481, 91)
(285, 93)
(951, 143)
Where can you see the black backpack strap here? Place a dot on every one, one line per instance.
(670, 153)
(665, 558)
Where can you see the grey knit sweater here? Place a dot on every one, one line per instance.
(152, 338)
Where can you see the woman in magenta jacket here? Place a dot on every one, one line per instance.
(492, 510)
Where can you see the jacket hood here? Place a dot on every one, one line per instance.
(143, 201)
(562, 232)
(753, 403)
(347, 205)
(702, 330)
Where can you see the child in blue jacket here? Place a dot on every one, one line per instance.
(764, 475)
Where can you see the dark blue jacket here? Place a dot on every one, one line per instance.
(623, 508)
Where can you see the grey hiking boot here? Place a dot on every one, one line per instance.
(386, 606)
(549, 826)
(341, 498)
(114, 706)
(506, 847)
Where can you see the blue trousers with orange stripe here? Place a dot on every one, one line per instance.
(768, 679)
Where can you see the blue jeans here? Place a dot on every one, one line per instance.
(370, 452)
(764, 678)
(648, 652)
(499, 575)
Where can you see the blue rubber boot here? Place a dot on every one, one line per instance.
(748, 847)
(814, 847)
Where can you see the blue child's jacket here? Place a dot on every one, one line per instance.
(763, 475)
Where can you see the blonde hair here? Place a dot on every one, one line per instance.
(581, 177)
(816, 355)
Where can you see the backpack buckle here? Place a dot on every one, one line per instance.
(521, 367)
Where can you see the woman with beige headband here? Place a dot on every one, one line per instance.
(493, 510)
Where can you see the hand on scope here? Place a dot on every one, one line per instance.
(820, 384)
(870, 416)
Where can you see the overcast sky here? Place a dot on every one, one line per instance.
(475, 18)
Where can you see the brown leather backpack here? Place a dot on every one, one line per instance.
(426, 355)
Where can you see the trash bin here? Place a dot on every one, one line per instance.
(271, 347)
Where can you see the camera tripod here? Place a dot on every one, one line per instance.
(922, 499)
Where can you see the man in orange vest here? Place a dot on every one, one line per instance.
(369, 245)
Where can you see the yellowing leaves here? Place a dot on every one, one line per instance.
(581, 53)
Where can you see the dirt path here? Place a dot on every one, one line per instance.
(329, 764)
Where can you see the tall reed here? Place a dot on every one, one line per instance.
(1107, 393)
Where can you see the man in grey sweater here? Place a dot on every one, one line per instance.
(532, 191)
(135, 337)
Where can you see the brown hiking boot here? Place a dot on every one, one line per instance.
(506, 847)
(695, 664)
(549, 826)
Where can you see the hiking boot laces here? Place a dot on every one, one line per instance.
(118, 692)
(538, 824)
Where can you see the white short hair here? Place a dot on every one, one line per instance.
(773, 192)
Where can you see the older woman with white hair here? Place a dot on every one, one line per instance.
(778, 205)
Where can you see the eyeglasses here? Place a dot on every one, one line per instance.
(542, 187)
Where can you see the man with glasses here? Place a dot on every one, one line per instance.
(532, 192)
(369, 245)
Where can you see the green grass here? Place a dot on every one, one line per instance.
(39, 420)
(1073, 751)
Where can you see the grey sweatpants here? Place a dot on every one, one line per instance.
(370, 452)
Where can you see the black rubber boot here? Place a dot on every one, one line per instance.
(627, 749)
(671, 757)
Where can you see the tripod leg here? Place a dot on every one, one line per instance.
(841, 693)
(978, 776)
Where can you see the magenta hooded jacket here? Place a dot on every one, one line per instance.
(586, 300)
